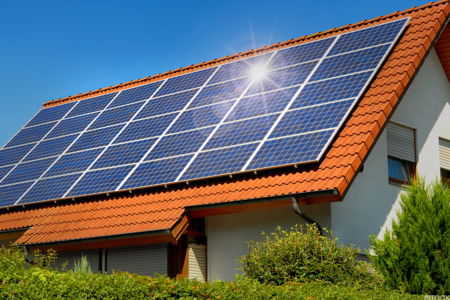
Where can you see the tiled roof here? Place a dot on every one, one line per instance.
(161, 208)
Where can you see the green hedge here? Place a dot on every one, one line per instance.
(21, 281)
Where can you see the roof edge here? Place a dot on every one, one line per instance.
(237, 56)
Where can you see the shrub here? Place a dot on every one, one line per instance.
(82, 265)
(414, 256)
(304, 256)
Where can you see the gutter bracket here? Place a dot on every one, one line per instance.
(297, 211)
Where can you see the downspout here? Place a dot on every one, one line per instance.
(26, 256)
(296, 209)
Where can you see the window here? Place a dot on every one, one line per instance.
(444, 160)
(401, 149)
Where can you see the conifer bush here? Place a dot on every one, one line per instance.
(415, 255)
(303, 255)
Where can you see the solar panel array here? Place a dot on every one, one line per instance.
(212, 122)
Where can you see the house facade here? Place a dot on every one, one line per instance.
(399, 128)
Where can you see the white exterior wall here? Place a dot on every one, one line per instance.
(371, 201)
(227, 234)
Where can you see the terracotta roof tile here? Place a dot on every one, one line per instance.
(161, 208)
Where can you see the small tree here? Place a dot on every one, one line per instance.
(303, 255)
(82, 265)
(414, 256)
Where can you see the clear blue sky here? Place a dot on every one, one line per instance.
(53, 49)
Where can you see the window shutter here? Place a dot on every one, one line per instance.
(93, 257)
(444, 154)
(143, 260)
(400, 142)
(197, 262)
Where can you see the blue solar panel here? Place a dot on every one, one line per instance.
(167, 104)
(49, 188)
(72, 125)
(262, 104)
(178, 144)
(240, 68)
(301, 53)
(136, 94)
(11, 193)
(28, 171)
(75, 162)
(220, 92)
(350, 63)
(51, 147)
(312, 119)
(157, 172)
(96, 138)
(241, 132)
(331, 90)
(282, 78)
(201, 117)
(145, 128)
(91, 105)
(290, 150)
(50, 114)
(105, 180)
(116, 115)
(369, 37)
(14, 155)
(31, 134)
(219, 162)
(123, 154)
(185, 82)
(308, 93)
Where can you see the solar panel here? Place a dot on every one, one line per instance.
(216, 121)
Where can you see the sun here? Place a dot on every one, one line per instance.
(258, 72)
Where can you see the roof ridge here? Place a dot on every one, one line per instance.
(236, 56)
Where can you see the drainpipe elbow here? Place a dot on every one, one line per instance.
(297, 210)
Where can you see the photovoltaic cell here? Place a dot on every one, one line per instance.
(4, 171)
(157, 172)
(11, 193)
(350, 63)
(290, 150)
(241, 132)
(201, 117)
(312, 119)
(262, 104)
(136, 94)
(371, 36)
(240, 68)
(75, 162)
(14, 155)
(99, 181)
(49, 188)
(123, 154)
(92, 104)
(301, 53)
(219, 162)
(116, 115)
(185, 82)
(178, 144)
(331, 90)
(95, 138)
(167, 104)
(72, 125)
(51, 147)
(50, 114)
(281, 78)
(221, 92)
(145, 128)
(31, 134)
(28, 171)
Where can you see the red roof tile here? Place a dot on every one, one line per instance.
(161, 208)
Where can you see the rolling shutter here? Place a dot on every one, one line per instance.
(400, 142)
(197, 262)
(93, 257)
(444, 154)
(143, 260)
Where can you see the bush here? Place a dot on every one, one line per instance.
(304, 256)
(414, 256)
